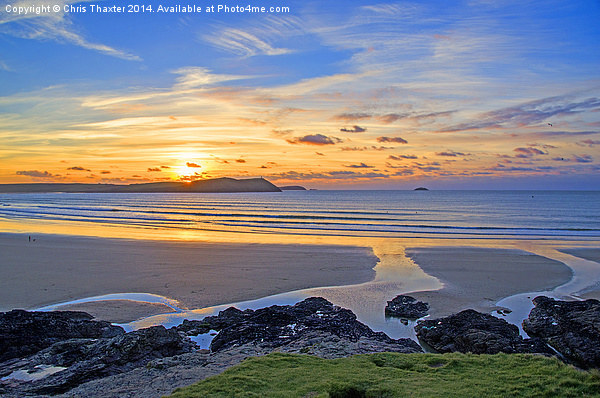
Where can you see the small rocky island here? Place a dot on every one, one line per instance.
(421, 189)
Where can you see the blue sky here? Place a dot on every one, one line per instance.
(333, 94)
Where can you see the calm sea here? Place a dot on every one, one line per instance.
(455, 214)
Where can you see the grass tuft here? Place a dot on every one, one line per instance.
(399, 375)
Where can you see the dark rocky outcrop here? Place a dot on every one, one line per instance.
(89, 359)
(24, 333)
(276, 326)
(406, 307)
(228, 317)
(472, 331)
(570, 327)
(313, 326)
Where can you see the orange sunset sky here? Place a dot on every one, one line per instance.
(391, 95)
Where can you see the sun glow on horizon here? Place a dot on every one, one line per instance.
(190, 166)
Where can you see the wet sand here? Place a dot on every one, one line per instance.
(119, 311)
(588, 253)
(591, 254)
(57, 268)
(478, 278)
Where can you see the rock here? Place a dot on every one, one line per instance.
(277, 326)
(226, 318)
(406, 307)
(156, 360)
(23, 333)
(472, 331)
(193, 328)
(160, 377)
(89, 359)
(571, 327)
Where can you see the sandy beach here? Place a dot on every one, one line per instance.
(477, 278)
(119, 311)
(56, 268)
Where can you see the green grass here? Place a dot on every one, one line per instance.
(399, 375)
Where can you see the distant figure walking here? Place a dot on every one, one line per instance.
(30, 238)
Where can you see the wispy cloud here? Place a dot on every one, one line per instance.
(37, 174)
(359, 166)
(590, 143)
(529, 152)
(365, 148)
(391, 9)
(258, 36)
(449, 153)
(349, 117)
(316, 84)
(391, 117)
(397, 140)
(243, 43)
(55, 26)
(353, 129)
(195, 76)
(402, 157)
(330, 175)
(575, 158)
(315, 139)
(529, 113)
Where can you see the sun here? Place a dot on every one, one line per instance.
(189, 166)
(189, 170)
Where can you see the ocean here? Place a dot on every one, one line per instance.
(384, 220)
(455, 214)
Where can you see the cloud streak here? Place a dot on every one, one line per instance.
(353, 129)
(55, 26)
(397, 140)
(330, 175)
(243, 43)
(359, 166)
(529, 113)
(194, 77)
(529, 152)
(449, 153)
(315, 139)
(37, 174)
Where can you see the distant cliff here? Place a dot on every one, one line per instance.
(216, 185)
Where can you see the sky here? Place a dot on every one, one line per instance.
(477, 94)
